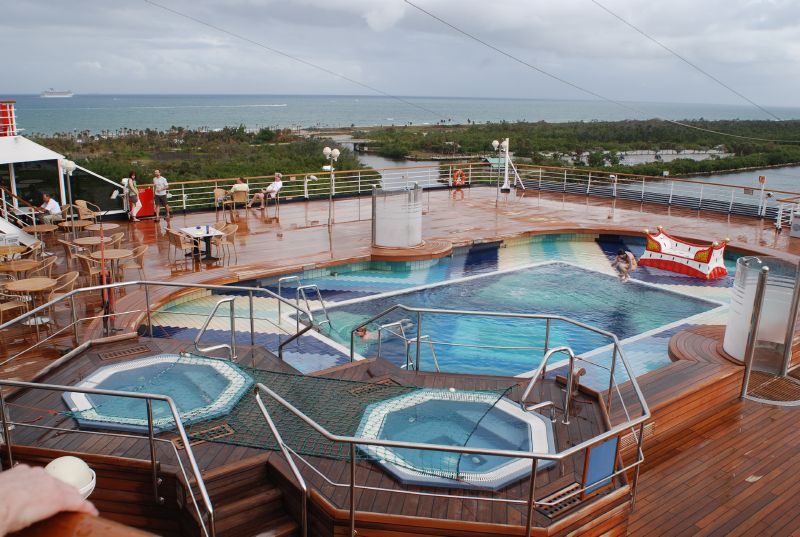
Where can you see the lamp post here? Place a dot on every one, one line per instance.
(498, 146)
(69, 167)
(332, 155)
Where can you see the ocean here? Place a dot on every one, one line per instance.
(98, 113)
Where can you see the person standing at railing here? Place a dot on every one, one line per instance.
(161, 191)
(51, 208)
(132, 191)
(272, 191)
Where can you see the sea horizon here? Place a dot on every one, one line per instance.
(101, 112)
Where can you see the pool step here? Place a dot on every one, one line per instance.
(246, 502)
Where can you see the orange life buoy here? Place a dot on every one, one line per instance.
(459, 178)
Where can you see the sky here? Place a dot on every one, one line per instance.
(115, 46)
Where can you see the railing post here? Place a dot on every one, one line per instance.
(565, 180)
(540, 178)
(730, 206)
(531, 499)
(233, 329)
(252, 321)
(352, 490)
(671, 189)
(419, 331)
(589, 183)
(568, 393)
(639, 447)
(147, 306)
(183, 197)
(755, 319)
(74, 319)
(642, 188)
(547, 335)
(358, 196)
(6, 430)
(611, 377)
(153, 461)
(700, 201)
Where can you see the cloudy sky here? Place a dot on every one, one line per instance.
(115, 46)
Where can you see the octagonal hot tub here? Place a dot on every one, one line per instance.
(202, 388)
(455, 418)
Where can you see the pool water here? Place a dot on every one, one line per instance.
(455, 423)
(190, 386)
(598, 299)
(202, 388)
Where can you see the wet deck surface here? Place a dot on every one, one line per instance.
(730, 473)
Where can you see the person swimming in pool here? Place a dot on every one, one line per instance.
(364, 334)
(624, 262)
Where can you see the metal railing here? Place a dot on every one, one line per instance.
(231, 347)
(700, 195)
(301, 294)
(207, 521)
(534, 456)
(110, 318)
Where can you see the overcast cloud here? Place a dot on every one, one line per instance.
(113, 46)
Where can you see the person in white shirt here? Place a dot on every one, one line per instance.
(161, 186)
(51, 208)
(239, 186)
(272, 191)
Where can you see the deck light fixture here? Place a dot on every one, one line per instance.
(332, 155)
(69, 167)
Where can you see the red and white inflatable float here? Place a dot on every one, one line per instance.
(703, 261)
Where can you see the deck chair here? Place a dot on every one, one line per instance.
(237, 198)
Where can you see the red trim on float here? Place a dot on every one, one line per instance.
(680, 268)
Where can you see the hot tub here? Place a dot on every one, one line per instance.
(202, 388)
(455, 418)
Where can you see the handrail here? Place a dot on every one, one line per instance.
(148, 398)
(24, 201)
(534, 456)
(301, 291)
(292, 466)
(540, 374)
(232, 346)
(147, 284)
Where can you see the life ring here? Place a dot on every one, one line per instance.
(459, 178)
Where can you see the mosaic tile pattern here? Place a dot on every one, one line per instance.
(185, 317)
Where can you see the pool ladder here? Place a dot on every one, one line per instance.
(409, 365)
(231, 348)
(301, 293)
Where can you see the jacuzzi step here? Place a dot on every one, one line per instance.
(259, 510)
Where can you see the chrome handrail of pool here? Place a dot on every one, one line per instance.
(231, 347)
(614, 431)
(147, 284)
(208, 530)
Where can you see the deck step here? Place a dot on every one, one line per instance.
(282, 527)
(258, 511)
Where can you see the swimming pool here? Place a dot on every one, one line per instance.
(455, 418)
(201, 388)
(558, 288)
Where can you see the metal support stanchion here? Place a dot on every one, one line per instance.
(750, 349)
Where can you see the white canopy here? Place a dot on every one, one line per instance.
(15, 149)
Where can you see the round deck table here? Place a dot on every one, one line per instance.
(91, 242)
(113, 256)
(105, 227)
(9, 250)
(40, 228)
(32, 287)
(19, 266)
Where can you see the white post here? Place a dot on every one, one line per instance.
(762, 205)
(506, 187)
(305, 187)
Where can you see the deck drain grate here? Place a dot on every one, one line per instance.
(630, 439)
(207, 435)
(772, 388)
(561, 500)
(124, 353)
(373, 387)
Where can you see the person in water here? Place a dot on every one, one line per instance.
(624, 262)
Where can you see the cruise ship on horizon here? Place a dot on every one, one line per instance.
(52, 93)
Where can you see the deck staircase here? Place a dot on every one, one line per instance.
(247, 503)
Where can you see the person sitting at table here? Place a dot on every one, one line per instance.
(51, 208)
(272, 191)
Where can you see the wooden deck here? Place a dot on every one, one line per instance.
(715, 466)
